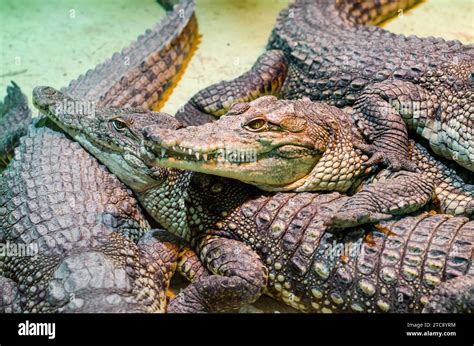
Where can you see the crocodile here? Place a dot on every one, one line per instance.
(247, 238)
(331, 51)
(301, 145)
(15, 116)
(90, 252)
(78, 228)
(418, 263)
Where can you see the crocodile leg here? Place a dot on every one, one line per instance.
(452, 194)
(266, 77)
(161, 246)
(413, 191)
(190, 266)
(239, 278)
(384, 113)
(453, 296)
(404, 193)
(160, 253)
(164, 254)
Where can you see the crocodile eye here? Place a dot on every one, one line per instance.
(119, 125)
(257, 124)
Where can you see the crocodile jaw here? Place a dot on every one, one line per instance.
(267, 170)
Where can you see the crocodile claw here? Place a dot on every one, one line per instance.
(393, 161)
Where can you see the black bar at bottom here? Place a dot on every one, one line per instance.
(276, 329)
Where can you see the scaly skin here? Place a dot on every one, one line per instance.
(326, 51)
(140, 74)
(300, 145)
(112, 136)
(452, 194)
(84, 225)
(14, 119)
(398, 266)
(84, 221)
(277, 243)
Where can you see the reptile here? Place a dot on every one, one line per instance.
(14, 119)
(247, 238)
(78, 227)
(300, 145)
(331, 51)
(90, 252)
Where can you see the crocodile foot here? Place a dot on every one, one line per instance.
(394, 161)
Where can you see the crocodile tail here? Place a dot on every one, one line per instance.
(168, 4)
(142, 73)
(372, 12)
(14, 119)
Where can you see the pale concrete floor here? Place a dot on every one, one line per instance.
(52, 42)
(234, 34)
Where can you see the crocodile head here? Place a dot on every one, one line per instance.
(277, 145)
(112, 135)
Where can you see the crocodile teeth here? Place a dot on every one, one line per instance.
(190, 151)
(197, 155)
(163, 152)
(204, 156)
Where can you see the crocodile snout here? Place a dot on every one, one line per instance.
(44, 96)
